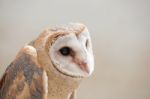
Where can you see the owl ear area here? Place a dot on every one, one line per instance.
(55, 36)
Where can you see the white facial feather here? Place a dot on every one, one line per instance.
(82, 48)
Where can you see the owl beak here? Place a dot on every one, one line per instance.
(82, 65)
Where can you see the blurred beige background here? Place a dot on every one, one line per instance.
(120, 31)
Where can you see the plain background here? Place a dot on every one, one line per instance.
(120, 31)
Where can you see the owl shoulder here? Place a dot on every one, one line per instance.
(23, 77)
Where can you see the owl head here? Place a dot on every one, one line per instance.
(69, 49)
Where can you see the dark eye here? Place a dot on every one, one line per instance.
(65, 51)
(87, 43)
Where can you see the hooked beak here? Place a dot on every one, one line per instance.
(82, 65)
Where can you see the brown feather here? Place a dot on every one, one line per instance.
(23, 75)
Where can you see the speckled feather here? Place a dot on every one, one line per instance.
(23, 72)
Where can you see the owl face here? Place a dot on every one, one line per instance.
(72, 55)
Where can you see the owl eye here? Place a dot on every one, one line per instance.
(87, 43)
(65, 51)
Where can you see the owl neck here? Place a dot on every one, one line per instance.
(60, 86)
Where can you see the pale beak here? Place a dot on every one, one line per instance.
(82, 65)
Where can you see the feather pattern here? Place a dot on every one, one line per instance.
(22, 75)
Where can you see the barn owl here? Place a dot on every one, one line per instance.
(51, 66)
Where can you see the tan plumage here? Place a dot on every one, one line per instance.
(34, 75)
